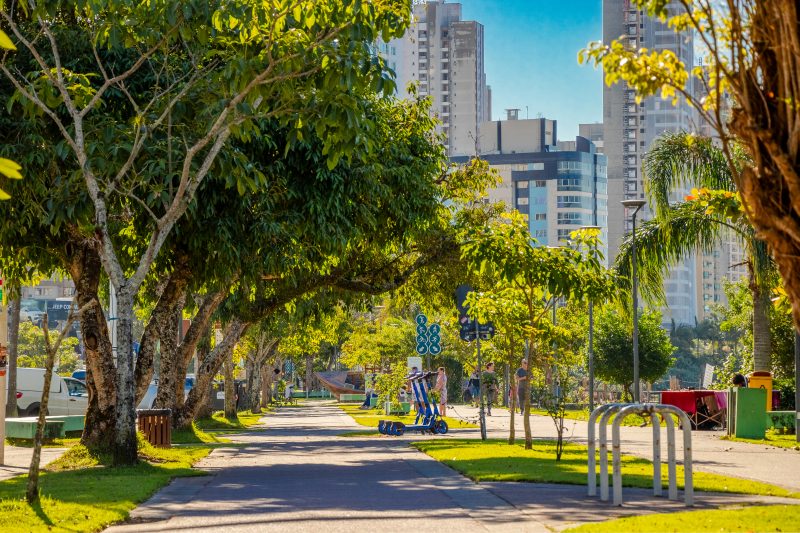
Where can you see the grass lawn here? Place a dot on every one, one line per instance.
(771, 439)
(80, 493)
(756, 518)
(218, 422)
(495, 460)
(371, 417)
(583, 415)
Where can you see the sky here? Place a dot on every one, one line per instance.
(530, 54)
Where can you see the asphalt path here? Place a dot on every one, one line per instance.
(299, 473)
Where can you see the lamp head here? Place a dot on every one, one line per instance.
(634, 203)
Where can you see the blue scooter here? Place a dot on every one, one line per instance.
(428, 418)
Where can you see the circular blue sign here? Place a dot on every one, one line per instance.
(421, 319)
(435, 329)
(422, 339)
(422, 330)
(435, 349)
(422, 349)
(434, 339)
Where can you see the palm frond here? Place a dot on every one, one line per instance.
(661, 243)
(682, 159)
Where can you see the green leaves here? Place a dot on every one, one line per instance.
(5, 42)
(9, 169)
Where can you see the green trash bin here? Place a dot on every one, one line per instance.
(751, 413)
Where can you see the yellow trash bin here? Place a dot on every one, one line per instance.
(762, 380)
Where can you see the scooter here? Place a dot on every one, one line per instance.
(428, 418)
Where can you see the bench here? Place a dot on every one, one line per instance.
(352, 397)
(54, 427)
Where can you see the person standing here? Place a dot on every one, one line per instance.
(522, 380)
(489, 384)
(474, 387)
(441, 388)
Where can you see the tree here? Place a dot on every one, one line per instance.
(8, 168)
(32, 350)
(678, 230)
(750, 86)
(613, 347)
(536, 276)
(297, 61)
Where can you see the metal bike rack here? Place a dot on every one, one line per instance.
(604, 412)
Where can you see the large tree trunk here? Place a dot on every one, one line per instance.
(13, 349)
(125, 445)
(85, 269)
(204, 409)
(309, 373)
(762, 337)
(208, 368)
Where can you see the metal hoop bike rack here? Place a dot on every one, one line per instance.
(623, 410)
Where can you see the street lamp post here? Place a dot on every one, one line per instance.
(591, 340)
(636, 205)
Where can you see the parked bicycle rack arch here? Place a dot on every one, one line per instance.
(623, 410)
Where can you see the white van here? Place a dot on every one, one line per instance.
(68, 396)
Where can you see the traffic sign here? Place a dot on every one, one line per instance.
(422, 330)
(434, 339)
(435, 349)
(421, 319)
(435, 329)
(422, 339)
(422, 349)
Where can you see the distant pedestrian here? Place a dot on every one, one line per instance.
(474, 387)
(441, 388)
(522, 380)
(489, 384)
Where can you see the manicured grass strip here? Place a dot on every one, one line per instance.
(756, 518)
(781, 441)
(583, 415)
(67, 442)
(218, 422)
(496, 460)
(371, 417)
(80, 494)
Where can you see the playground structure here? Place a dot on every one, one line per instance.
(342, 382)
(622, 410)
(428, 418)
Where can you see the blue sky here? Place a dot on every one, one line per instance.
(531, 49)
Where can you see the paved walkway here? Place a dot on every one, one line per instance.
(298, 474)
(18, 460)
(769, 464)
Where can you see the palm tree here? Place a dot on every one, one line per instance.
(678, 160)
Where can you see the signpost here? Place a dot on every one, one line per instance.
(428, 339)
(474, 330)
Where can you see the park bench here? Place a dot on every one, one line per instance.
(351, 397)
(55, 426)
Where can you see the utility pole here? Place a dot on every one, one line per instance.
(481, 414)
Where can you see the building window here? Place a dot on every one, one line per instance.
(563, 234)
(522, 200)
(583, 202)
(540, 234)
(522, 185)
(535, 166)
(541, 216)
(541, 183)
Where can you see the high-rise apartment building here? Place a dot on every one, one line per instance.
(560, 186)
(444, 56)
(629, 129)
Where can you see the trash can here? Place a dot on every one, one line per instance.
(156, 425)
(762, 380)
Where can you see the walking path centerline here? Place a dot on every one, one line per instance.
(299, 474)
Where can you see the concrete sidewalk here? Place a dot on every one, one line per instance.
(779, 466)
(299, 474)
(18, 460)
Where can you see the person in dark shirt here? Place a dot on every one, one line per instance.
(522, 380)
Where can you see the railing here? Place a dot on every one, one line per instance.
(622, 410)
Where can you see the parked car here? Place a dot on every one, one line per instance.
(67, 395)
(80, 375)
(31, 315)
(150, 396)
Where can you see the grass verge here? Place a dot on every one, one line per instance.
(583, 415)
(370, 418)
(755, 518)
(79, 492)
(771, 439)
(218, 423)
(496, 460)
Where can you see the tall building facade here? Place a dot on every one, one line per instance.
(629, 128)
(560, 186)
(444, 56)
